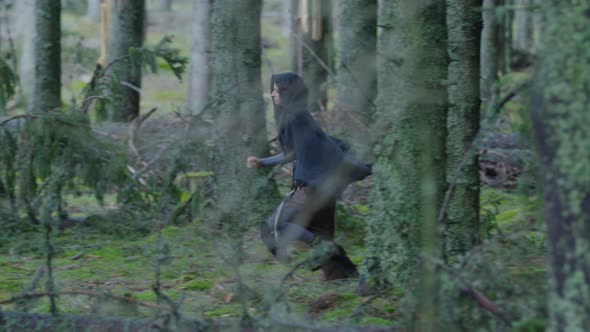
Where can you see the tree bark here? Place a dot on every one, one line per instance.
(462, 218)
(127, 30)
(489, 51)
(47, 56)
(317, 52)
(198, 75)
(239, 114)
(561, 121)
(411, 112)
(356, 84)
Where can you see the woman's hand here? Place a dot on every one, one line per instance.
(253, 162)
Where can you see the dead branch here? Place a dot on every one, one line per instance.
(20, 116)
(481, 299)
(133, 127)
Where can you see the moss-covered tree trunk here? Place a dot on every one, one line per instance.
(318, 51)
(489, 52)
(127, 30)
(411, 116)
(239, 112)
(198, 75)
(462, 215)
(561, 121)
(356, 84)
(47, 56)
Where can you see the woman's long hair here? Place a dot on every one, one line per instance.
(293, 97)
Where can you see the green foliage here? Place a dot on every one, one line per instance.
(106, 89)
(49, 153)
(7, 84)
(163, 50)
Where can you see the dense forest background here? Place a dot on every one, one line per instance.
(126, 204)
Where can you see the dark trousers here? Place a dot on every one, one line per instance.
(303, 215)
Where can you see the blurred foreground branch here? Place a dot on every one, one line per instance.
(21, 321)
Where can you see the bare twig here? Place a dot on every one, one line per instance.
(131, 86)
(20, 116)
(509, 96)
(115, 61)
(133, 127)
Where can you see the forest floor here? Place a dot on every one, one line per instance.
(199, 272)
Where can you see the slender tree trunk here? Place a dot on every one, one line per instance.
(93, 10)
(356, 85)
(47, 56)
(198, 75)
(489, 50)
(507, 38)
(25, 12)
(561, 121)
(317, 51)
(464, 24)
(127, 30)
(294, 43)
(411, 114)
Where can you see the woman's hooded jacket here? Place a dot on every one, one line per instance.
(320, 161)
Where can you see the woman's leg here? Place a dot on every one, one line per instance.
(338, 265)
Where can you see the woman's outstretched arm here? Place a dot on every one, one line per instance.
(253, 162)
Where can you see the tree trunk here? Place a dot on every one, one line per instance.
(462, 215)
(47, 56)
(489, 51)
(356, 85)
(165, 5)
(411, 112)
(561, 121)
(240, 128)
(317, 51)
(198, 75)
(25, 12)
(294, 43)
(504, 40)
(93, 10)
(507, 41)
(523, 21)
(127, 27)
